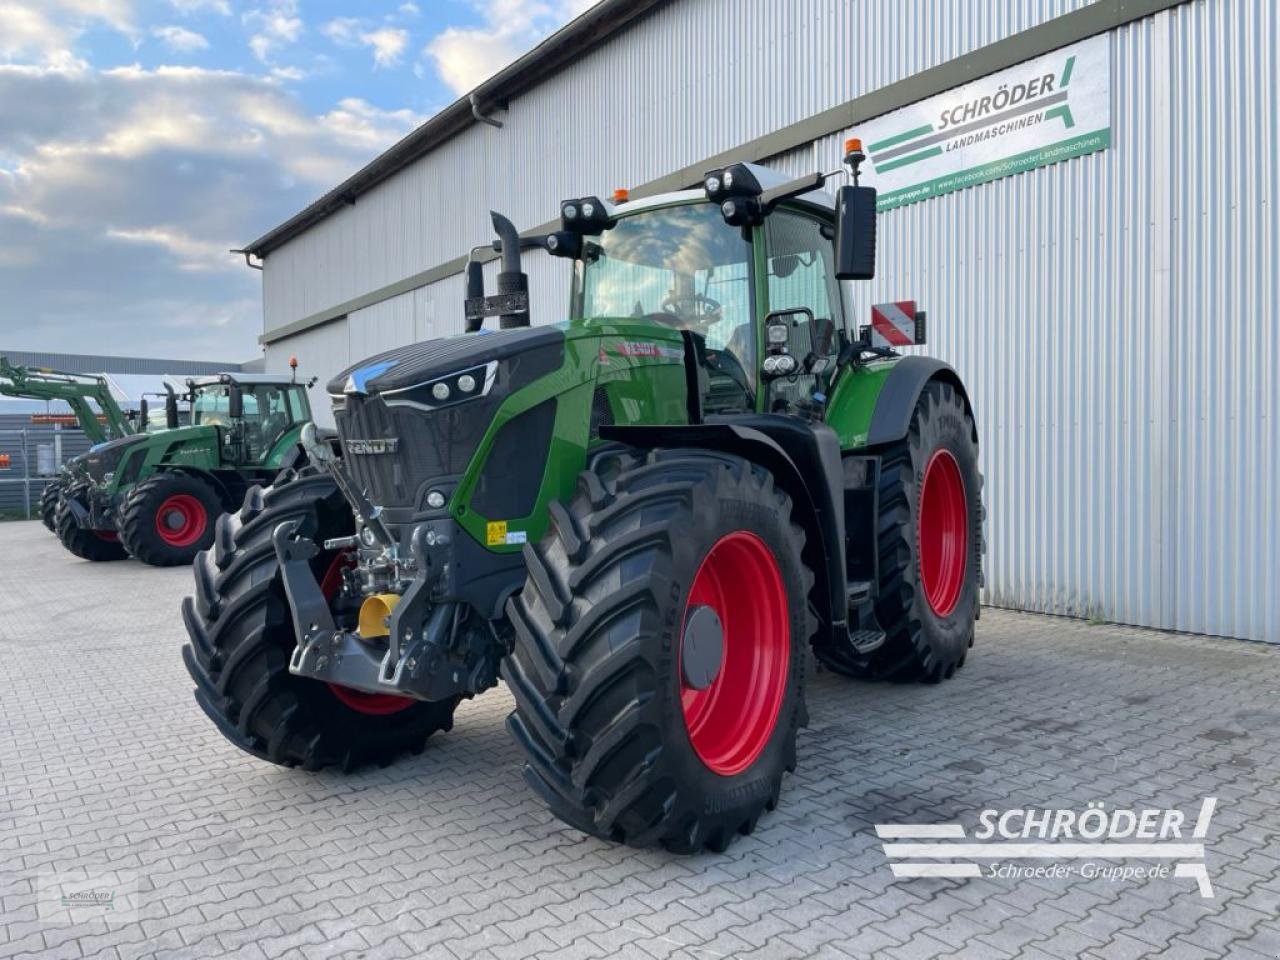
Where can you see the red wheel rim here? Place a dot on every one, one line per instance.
(373, 704)
(181, 520)
(108, 535)
(731, 720)
(943, 533)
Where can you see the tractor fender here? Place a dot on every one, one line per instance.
(804, 459)
(898, 397)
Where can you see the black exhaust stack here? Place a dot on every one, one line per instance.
(513, 285)
(511, 303)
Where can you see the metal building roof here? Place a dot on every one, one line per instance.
(571, 42)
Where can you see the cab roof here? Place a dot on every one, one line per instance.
(244, 379)
(765, 176)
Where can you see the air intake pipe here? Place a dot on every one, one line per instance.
(513, 285)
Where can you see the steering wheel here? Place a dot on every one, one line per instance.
(690, 310)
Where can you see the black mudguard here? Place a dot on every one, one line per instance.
(897, 401)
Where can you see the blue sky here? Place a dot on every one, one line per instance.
(141, 139)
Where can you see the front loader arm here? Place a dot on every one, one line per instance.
(74, 389)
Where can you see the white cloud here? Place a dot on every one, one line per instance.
(410, 9)
(190, 253)
(180, 39)
(122, 190)
(46, 32)
(277, 24)
(466, 56)
(387, 43)
(343, 31)
(189, 7)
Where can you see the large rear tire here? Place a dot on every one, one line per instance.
(930, 539)
(241, 635)
(168, 518)
(637, 723)
(97, 545)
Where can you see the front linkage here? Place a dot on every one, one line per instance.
(435, 648)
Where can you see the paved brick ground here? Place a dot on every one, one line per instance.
(106, 762)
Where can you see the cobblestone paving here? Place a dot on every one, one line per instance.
(106, 763)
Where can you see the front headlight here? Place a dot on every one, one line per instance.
(467, 384)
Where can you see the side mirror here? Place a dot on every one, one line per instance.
(143, 412)
(235, 403)
(856, 233)
(171, 410)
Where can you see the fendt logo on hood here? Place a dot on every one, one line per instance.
(368, 447)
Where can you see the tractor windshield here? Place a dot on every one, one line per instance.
(681, 267)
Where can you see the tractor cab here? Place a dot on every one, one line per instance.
(253, 413)
(759, 302)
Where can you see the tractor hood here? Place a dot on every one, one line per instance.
(419, 363)
(103, 458)
(410, 419)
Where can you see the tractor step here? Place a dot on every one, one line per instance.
(866, 641)
(858, 591)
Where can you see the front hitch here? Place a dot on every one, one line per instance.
(431, 651)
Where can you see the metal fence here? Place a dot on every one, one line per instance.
(30, 456)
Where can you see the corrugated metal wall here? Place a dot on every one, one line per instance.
(1114, 315)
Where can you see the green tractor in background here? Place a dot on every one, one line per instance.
(156, 496)
(640, 518)
(81, 392)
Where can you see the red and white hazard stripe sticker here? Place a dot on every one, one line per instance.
(893, 324)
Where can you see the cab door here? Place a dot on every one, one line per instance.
(799, 275)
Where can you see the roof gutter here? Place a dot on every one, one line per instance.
(569, 43)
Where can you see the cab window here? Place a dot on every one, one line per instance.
(800, 257)
(681, 267)
(801, 275)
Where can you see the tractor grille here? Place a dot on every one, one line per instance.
(431, 445)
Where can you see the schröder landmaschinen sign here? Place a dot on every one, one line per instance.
(1052, 108)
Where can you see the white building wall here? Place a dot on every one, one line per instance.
(1113, 315)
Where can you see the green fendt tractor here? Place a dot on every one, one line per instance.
(81, 392)
(155, 496)
(640, 518)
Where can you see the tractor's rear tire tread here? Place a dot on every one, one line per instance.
(572, 654)
(241, 636)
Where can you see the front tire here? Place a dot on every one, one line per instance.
(241, 635)
(49, 498)
(631, 730)
(168, 518)
(99, 546)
